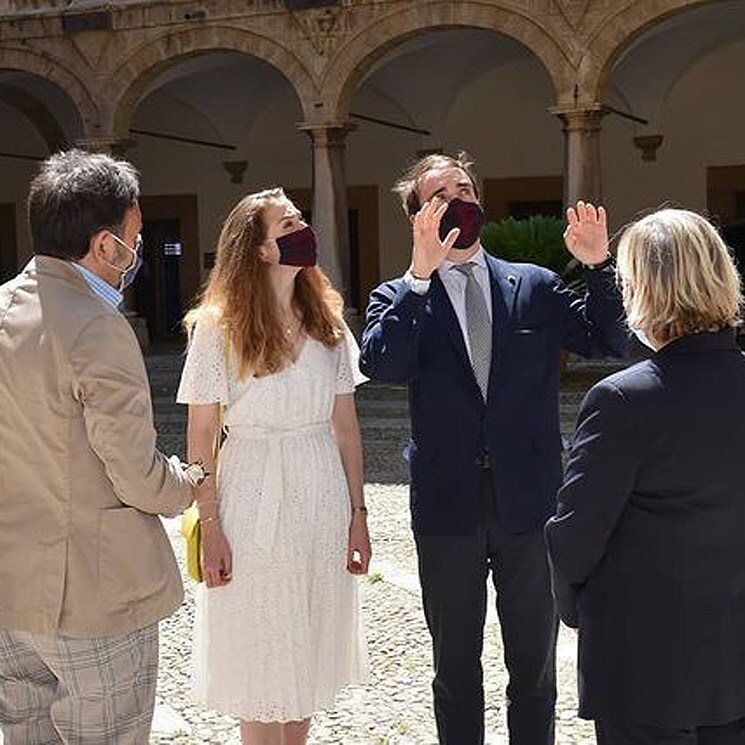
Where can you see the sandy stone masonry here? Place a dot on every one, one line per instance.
(323, 52)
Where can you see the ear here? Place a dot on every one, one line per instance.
(97, 244)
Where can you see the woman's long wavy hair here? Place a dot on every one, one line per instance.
(241, 298)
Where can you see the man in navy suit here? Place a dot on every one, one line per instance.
(478, 342)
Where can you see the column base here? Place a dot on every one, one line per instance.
(355, 321)
(139, 326)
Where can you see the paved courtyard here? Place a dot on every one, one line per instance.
(395, 707)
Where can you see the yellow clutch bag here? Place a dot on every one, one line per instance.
(190, 527)
(191, 530)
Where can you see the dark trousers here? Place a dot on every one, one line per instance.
(640, 734)
(453, 571)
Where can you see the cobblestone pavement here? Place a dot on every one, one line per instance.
(394, 708)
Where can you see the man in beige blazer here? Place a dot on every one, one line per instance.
(86, 569)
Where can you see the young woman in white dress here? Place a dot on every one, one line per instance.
(278, 630)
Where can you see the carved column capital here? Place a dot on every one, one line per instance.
(327, 134)
(648, 144)
(582, 163)
(114, 146)
(580, 118)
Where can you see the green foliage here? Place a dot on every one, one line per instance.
(536, 240)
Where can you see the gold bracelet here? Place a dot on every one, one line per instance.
(210, 519)
(359, 508)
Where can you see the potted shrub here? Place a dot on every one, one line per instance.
(538, 239)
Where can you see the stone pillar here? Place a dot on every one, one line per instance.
(329, 203)
(116, 148)
(113, 146)
(582, 167)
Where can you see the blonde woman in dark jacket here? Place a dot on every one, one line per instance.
(648, 544)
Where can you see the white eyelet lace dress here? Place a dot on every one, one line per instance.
(285, 635)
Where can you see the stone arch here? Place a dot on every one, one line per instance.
(145, 62)
(55, 71)
(617, 34)
(35, 111)
(372, 42)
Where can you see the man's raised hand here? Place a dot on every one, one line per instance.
(586, 236)
(429, 251)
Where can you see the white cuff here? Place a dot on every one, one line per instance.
(419, 286)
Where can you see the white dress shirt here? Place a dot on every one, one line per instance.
(455, 286)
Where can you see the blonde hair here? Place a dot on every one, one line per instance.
(239, 295)
(677, 276)
(407, 187)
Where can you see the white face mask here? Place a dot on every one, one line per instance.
(128, 272)
(643, 338)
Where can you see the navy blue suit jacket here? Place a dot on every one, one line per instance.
(416, 339)
(648, 545)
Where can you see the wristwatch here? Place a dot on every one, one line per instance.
(195, 473)
(606, 263)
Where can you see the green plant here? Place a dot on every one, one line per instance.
(538, 239)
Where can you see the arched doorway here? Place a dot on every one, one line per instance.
(457, 89)
(37, 118)
(207, 129)
(685, 144)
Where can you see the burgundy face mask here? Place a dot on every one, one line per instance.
(468, 216)
(298, 248)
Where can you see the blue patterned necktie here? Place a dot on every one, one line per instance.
(478, 325)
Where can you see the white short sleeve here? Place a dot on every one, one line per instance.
(204, 379)
(348, 375)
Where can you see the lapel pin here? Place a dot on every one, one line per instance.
(511, 279)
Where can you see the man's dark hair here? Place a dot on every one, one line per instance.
(407, 187)
(76, 194)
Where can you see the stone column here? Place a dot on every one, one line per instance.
(113, 146)
(329, 203)
(116, 147)
(582, 168)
